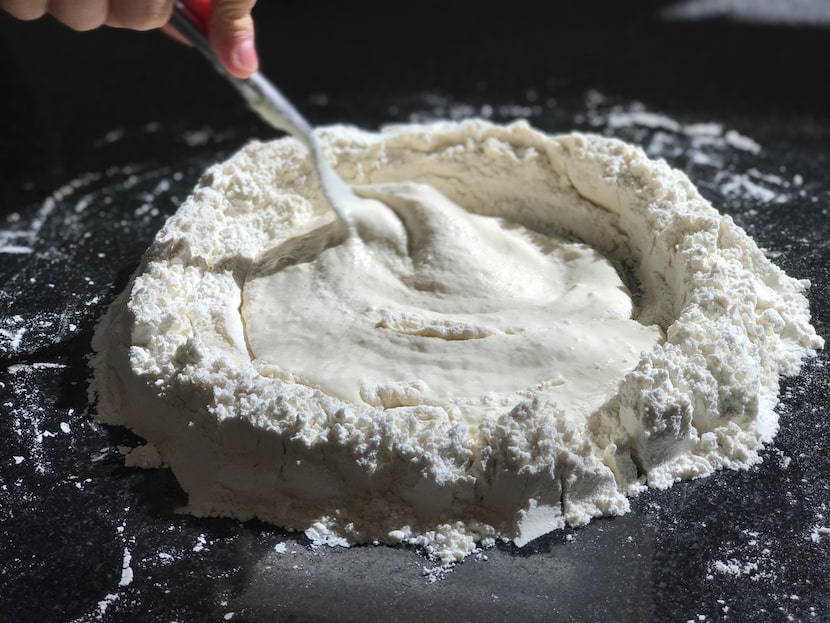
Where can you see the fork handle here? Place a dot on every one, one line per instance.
(190, 19)
(197, 11)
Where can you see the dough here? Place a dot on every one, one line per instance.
(472, 365)
(435, 306)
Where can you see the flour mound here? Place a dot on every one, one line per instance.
(248, 438)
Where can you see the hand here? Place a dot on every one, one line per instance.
(231, 25)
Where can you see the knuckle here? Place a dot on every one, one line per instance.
(159, 12)
(86, 23)
(87, 17)
(26, 10)
(234, 14)
(141, 14)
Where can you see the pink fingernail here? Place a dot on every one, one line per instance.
(245, 56)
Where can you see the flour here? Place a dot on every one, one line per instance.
(739, 141)
(818, 532)
(753, 556)
(247, 435)
(740, 185)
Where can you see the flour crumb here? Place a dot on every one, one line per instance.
(739, 141)
(126, 569)
(819, 532)
(201, 543)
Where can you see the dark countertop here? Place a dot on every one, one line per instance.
(103, 134)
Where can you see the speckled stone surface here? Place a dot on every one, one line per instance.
(103, 135)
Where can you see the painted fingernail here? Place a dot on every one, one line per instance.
(245, 56)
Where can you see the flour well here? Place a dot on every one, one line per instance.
(473, 367)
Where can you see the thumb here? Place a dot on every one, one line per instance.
(232, 36)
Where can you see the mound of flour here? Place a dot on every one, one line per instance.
(473, 367)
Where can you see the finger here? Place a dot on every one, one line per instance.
(232, 36)
(26, 9)
(139, 14)
(85, 15)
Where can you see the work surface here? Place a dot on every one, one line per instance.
(102, 137)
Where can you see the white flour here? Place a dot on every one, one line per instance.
(174, 361)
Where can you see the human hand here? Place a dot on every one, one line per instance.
(231, 27)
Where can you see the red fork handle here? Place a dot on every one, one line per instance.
(197, 11)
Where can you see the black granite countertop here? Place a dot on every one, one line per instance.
(102, 135)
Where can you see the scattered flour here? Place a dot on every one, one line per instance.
(819, 532)
(704, 145)
(12, 330)
(201, 544)
(740, 185)
(753, 558)
(739, 141)
(16, 240)
(105, 603)
(101, 611)
(251, 438)
(735, 567)
(126, 569)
